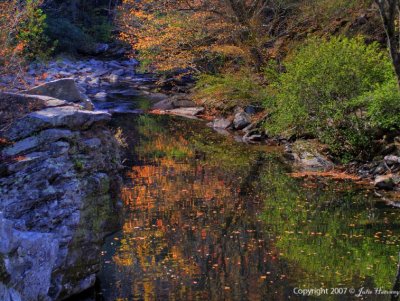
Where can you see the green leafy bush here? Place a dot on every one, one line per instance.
(383, 106)
(225, 91)
(318, 94)
(31, 32)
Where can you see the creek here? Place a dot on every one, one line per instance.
(208, 218)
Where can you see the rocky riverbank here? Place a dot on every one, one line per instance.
(59, 185)
(101, 81)
(91, 75)
(60, 163)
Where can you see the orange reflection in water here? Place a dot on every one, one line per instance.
(189, 233)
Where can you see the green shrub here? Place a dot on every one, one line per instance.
(383, 107)
(316, 95)
(225, 91)
(31, 32)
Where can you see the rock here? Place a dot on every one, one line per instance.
(31, 143)
(100, 72)
(93, 143)
(118, 72)
(33, 261)
(101, 96)
(85, 69)
(241, 120)
(64, 74)
(183, 103)
(251, 110)
(6, 234)
(68, 117)
(157, 96)
(187, 111)
(100, 48)
(379, 169)
(94, 82)
(163, 105)
(391, 159)
(221, 123)
(307, 156)
(125, 92)
(114, 65)
(113, 78)
(387, 182)
(47, 101)
(58, 201)
(65, 89)
(130, 63)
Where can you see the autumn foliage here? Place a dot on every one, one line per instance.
(21, 34)
(200, 34)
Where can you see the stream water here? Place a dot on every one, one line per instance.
(207, 218)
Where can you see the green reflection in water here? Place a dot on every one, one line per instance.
(210, 219)
(334, 237)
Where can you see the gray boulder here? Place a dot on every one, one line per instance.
(100, 96)
(221, 123)
(66, 117)
(33, 142)
(241, 120)
(65, 89)
(165, 104)
(113, 78)
(187, 111)
(118, 72)
(172, 103)
(391, 159)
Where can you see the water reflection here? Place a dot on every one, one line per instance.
(209, 219)
(334, 239)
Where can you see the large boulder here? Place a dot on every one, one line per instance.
(165, 104)
(187, 112)
(221, 123)
(65, 89)
(70, 117)
(241, 120)
(100, 96)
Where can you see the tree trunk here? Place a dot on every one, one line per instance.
(389, 11)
